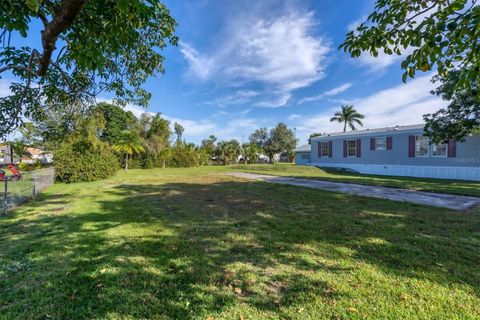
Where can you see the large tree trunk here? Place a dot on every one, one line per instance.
(345, 126)
(62, 19)
(126, 161)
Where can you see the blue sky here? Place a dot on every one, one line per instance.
(241, 65)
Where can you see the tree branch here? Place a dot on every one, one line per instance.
(62, 19)
(17, 66)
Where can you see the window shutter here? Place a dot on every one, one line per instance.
(359, 148)
(411, 146)
(372, 143)
(452, 148)
(330, 149)
(319, 144)
(389, 143)
(344, 148)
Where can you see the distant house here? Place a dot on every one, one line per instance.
(302, 155)
(37, 154)
(4, 153)
(397, 151)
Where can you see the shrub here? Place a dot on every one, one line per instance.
(182, 156)
(94, 162)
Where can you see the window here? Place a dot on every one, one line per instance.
(380, 144)
(324, 152)
(439, 150)
(421, 146)
(305, 156)
(352, 148)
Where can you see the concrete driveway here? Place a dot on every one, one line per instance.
(449, 201)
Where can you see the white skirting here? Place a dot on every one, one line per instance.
(458, 173)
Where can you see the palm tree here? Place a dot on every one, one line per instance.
(349, 116)
(19, 149)
(129, 143)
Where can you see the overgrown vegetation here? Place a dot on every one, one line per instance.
(86, 141)
(192, 243)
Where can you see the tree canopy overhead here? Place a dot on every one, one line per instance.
(460, 118)
(442, 33)
(87, 47)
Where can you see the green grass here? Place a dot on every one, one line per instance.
(421, 184)
(196, 244)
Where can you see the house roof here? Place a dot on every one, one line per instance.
(372, 131)
(304, 148)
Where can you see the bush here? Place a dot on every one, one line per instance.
(31, 166)
(90, 163)
(181, 156)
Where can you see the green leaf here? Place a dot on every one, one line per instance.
(123, 4)
(34, 5)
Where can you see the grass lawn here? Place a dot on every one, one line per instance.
(434, 185)
(196, 244)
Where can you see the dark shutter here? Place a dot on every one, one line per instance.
(330, 149)
(452, 148)
(372, 143)
(359, 148)
(411, 146)
(389, 143)
(319, 149)
(344, 148)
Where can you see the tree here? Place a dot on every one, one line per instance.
(259, 137)
(442, 33)
(313, 135)
(348, 116)
(277, 140)
(115, 122)
(282, 139)
(129, 144)
(87, 47)
(209, 145)
(20, 149)
(155, 132)
(31, 134)
(178, 131)
(228, 151)
(460, 118)
(251, 152)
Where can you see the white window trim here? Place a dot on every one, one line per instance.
(384, 138)
(321, 148)
(428, 148)
(355, 155)
(439, 156)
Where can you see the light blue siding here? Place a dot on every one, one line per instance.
(302, 158)
(465, 165)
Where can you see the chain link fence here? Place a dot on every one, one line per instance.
(14, 193)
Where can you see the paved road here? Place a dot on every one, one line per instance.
(426, 198)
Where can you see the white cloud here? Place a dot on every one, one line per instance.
(329, 93)
(278, 54)
(199, 66)
(240, 97)
(400, 105)
(194, 129)
(378, 63)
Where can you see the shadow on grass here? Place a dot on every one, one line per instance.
(187, 250)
